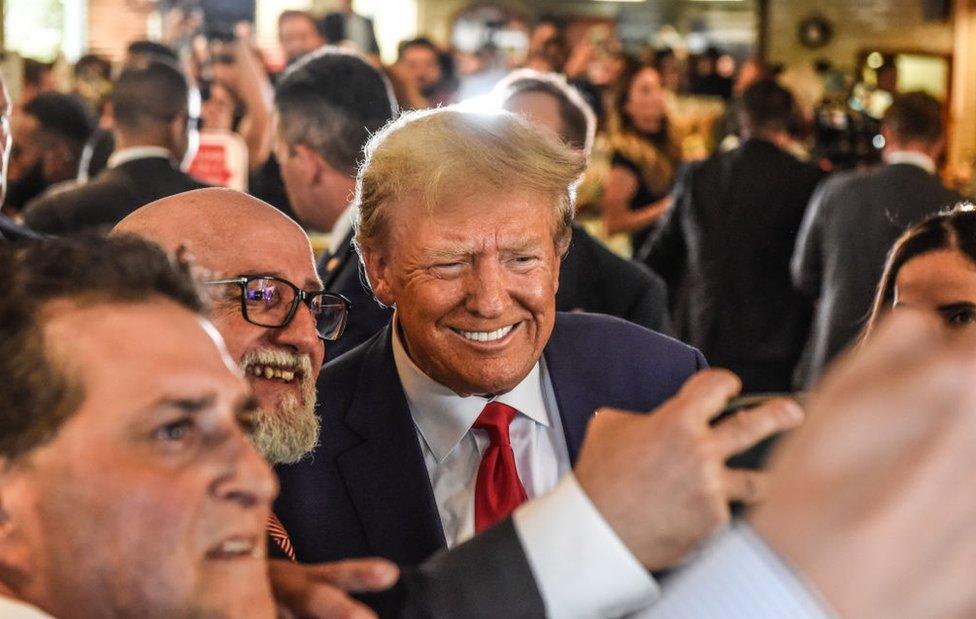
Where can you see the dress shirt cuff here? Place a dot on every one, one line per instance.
(738, 577)
(581, 567)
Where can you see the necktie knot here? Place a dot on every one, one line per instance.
(495, 419)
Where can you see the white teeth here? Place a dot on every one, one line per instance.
(237, 547)
(487, 336)
(270, 372)
(286, 375)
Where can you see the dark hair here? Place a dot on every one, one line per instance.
(296, 14)
(915, 116)
(38, 396)
(767, 106)
(954, 229)
(147, 93)
(633, 68)
(417, 42)
(576, 126)
(93, 64)
(35, 70)
(153, 50)
(332, 101)
(64, 116)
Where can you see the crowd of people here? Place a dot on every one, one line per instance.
(467, 404)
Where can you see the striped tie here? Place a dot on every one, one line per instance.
(280, 536)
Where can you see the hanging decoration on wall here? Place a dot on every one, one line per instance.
(815, 32)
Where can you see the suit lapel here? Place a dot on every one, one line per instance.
(573, 388)
(332, 264)
(385, 475)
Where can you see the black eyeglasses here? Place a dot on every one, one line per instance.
(269, 301)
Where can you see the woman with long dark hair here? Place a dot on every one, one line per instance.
(635, 193)
(932, 267)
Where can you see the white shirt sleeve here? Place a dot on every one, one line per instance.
(737, 577)
(581, 567)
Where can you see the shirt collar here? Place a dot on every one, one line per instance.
(443, 417)
(15, 609)
(342, 227)
(138, 152)
(911, 157)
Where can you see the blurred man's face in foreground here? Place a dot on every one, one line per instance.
(150, 501)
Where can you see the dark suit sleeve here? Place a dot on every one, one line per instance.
(43, 215)
(665, 252)
(488, 576)
(651, 308)
(806, 267)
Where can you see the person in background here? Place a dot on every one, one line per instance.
(328, 105)
(37, 77)
(298, 34)
(140, 52)
(10, 231)
(155, 115)
(346, 27)
(855, 216)
(591, 277)
(725, 248)
(57, 127)
(50, 135)
(932, 268)
(420, 68)
(644, 160)
(93, 81)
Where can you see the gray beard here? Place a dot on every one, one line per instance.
(285, 435)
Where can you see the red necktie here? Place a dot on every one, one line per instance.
(499, 490)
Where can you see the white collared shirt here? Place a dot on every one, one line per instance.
(342, 228)
(581, 568)
(138, 152)
(911, 157)
(15, 609)
(452, 449)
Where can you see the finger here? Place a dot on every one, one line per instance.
(745, 428)
(704, 395)
(356, 575)
(323, 601)
(745, 486)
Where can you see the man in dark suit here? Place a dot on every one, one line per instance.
(725, 246)
(10, 230)
(154, 130)
(329, 103)
(477, 396)
(853, 219)
(591, 278)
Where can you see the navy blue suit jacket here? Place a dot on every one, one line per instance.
(365, 490)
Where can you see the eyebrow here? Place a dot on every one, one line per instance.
(952, 307)
(454, 251)
(313, 285)
(189, 406)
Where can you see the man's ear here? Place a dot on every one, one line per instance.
(312, 165)
(378, 273)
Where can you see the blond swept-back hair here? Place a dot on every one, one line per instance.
(436, 155)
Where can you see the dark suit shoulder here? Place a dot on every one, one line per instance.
(619, 344)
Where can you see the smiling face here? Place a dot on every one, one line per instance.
(151, 487)
(230, 234)
(474, 283)
(943, 282)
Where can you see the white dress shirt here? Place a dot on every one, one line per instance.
(738, 577)
(452, 448)
(342, 227)
(911, 157)
(580, 566)
(138, 152)
(14, 609)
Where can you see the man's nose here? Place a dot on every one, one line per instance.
(487, 289)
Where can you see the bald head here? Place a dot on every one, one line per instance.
(231, 235)
(217, 226)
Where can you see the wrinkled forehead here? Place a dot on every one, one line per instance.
(257, 250)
